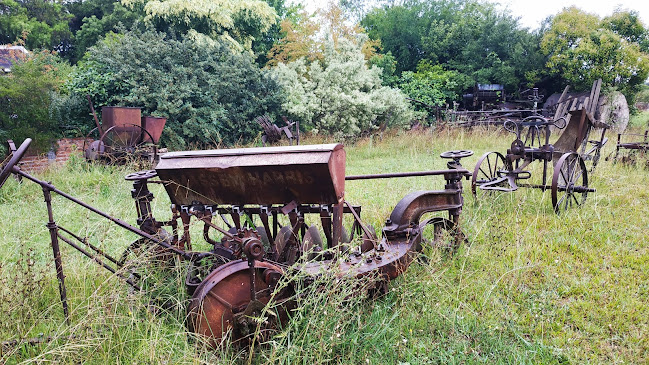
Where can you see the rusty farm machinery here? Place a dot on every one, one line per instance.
(227, 191)
(123, 135)
(572, 155)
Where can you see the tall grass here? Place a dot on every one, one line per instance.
(528, 287)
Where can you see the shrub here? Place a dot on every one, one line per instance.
(26, 98)
(208, 93)
(340, 95)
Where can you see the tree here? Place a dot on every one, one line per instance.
(306, 35)
(208, 93)
(581, 48)
(472, 37)
(40, 24)
(26, 99)
(431, 86)
(92, 19)
(400, 29)
(340, 95)
(238, 22)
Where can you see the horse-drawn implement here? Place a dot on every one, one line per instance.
(123, 135)
(573, 155)
(629, 145)
(233, 282)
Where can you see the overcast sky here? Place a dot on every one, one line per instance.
(532, 12)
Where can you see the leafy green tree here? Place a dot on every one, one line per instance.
(306, 35)
(340, 95)
(400, 29)
(41, 24)
(472, 37)
(581, 48)
(627, 24)
(26, 98)
(238, 22)
(208, 93)
(431, 86)
(95, 18)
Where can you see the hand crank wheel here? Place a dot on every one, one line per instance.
(222, 304)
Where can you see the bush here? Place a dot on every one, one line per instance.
(431, 86)
(27, 94)
(208, 93)
(340, 95)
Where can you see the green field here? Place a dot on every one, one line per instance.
(528, 287)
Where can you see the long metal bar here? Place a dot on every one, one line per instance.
(98, 261)
(91, 246)
(548, 187)
(406, 174)
(119, 222)
(56, 251)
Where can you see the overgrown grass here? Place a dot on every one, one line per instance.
(529, 287)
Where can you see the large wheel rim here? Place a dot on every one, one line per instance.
(569, 182)
(222, 303)
(117, 145)
(486, 170)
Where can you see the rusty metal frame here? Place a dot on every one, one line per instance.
(241, 247)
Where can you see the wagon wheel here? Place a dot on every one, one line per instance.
(591, 150)
(569, 182)
(118, 146)
(487, 170)
(442, 234)
(13, 160)
(222, 304)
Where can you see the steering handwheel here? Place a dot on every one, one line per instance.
(8, 167)
(456, 154)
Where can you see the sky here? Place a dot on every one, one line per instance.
(533, 12)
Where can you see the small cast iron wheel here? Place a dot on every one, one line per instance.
(222, 304)
(13, 160)
(441, 233)
(569, 182)
(487, 170)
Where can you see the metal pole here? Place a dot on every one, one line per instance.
(51, 225)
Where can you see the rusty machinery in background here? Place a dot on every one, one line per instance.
(273, 134)
(233, 282)
(573, 154)
(630, 145)
(123, 135)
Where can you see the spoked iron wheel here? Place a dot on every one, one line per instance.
(115, 145)
(569, 182)
(487, 170)
(591, 150)
(223, 303)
